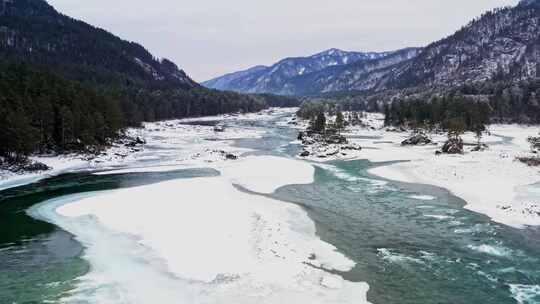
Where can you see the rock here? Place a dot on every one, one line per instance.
(453, 146)
(135, 142)
(479, 148)
(231, 156)
(301, 135)
(332, 152)
(417, 139)
(35, 167)
(336, 139)
(352, 147)
(305, 153)
(530, 161)
(308, 141)
(219, 128)
(535, 143)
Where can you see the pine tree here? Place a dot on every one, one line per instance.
(319, 124)
(340, 121)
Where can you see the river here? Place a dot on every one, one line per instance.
(412, 243)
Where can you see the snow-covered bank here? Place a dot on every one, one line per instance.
(266, 174)
(492, 182)
(220, 244)
(168, 143)
(58, 164)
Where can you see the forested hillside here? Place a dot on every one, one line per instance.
(66, 85)
(501, 101)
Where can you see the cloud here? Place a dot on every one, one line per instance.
(208, 38)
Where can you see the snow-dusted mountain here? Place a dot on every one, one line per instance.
(275, 78)
(501, 44)
(359, 75)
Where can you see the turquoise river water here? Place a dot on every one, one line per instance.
(408, 249)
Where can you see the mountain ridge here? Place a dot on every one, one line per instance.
(271, 79)
(56, 39)
(503, 43)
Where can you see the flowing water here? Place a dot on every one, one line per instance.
(412, 243)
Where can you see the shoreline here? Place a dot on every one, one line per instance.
(194, 146)
(491, 182)
(255, 250)
(269, 238)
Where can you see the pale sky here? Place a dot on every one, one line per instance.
(208, 38)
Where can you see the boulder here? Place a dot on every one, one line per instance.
(35, 167)
(336, 139)
(417, 139)
(352, 147)
(231, 156)
(332, 152)
(535, 143)
(530, 161)
(304, 154)
(135, 142)
(219, 128)
(307, 141)
(453, 146)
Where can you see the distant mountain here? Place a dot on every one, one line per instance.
(503, 44)
(224, 82)
(360, 75)
(276, 78)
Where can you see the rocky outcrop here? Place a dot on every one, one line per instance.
(417, 139)
(535, 143)
(530, 161)
(325, 145)
(22, 165)
(219, 128)
(305, 153)
(453, 146)
(135, 142)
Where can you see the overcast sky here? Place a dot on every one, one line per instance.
(208, 38)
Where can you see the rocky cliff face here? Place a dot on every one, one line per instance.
(501, 44)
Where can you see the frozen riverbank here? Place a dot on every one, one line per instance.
(168, 143)
(220, 244)
(492, 182)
